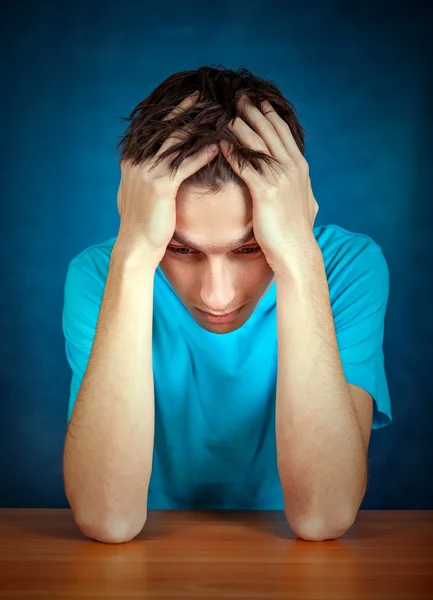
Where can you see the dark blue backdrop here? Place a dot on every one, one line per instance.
(359, 74)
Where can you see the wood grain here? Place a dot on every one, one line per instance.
(217, 554)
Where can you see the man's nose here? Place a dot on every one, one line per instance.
(218, 290)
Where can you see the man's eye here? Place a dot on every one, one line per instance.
(182, 251)
(249, 250)
(179, 250)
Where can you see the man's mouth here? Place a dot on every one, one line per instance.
(225, 318)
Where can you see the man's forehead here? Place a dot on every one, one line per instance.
(200, 214)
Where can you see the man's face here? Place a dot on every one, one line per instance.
(210, 271)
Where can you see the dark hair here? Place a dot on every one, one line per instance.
(204, 123)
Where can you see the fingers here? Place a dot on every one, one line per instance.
(198, 160)
(177, 135)
(186, 103)
(126, 163)
(195, 162)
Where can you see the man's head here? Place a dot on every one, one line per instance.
(205, 262)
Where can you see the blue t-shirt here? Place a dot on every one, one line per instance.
(215, 445)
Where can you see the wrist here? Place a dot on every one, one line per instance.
(301, 259)
(134, 253)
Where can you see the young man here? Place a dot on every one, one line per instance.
(226, 353)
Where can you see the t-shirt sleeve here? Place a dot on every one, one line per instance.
(82, 298)
(359, 316)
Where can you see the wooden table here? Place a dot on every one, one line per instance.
(216, 554)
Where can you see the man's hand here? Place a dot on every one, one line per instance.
(284, 207)
(147, 192)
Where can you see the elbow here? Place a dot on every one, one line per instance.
(111, 530)
(318, 529)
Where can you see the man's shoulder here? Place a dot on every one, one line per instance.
(95, 259)
(332, 238)
(342, 248)
(355, 266)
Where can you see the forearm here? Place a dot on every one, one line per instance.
(109, 443)
(321, 454)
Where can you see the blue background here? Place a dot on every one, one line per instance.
(359, 74)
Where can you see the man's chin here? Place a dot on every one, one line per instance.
(220, 328)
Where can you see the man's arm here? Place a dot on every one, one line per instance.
(321, 451)
(107, 459)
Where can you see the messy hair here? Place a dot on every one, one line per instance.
(204, 123)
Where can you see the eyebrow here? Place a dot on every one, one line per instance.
(249, 235)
